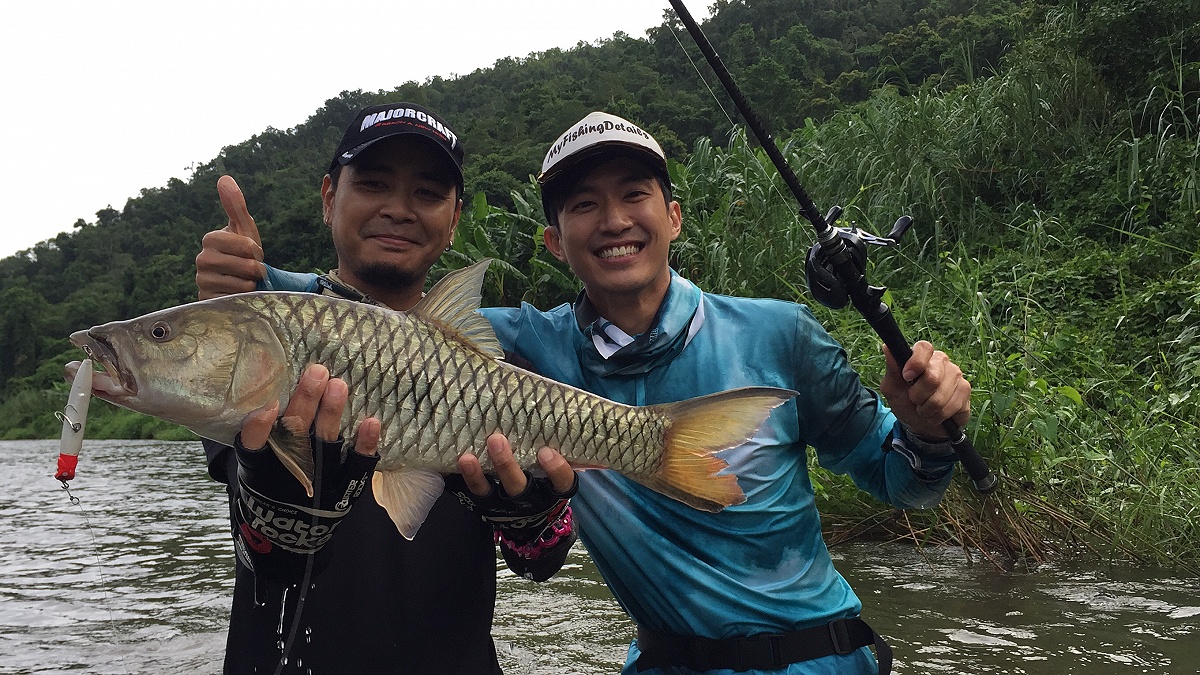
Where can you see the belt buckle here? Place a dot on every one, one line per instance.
(749, 648)
(839, 634)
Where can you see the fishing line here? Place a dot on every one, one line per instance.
(670, 25)
(771, 185)
(112, 622)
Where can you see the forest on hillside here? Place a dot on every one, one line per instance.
(1048, 151)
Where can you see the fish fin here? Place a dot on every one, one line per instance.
(407, 496)
(452, 304)
(661, 486)
(289, 441)
(700, 427)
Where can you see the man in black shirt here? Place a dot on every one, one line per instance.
(362, 599)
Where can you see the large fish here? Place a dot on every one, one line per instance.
(434, 377)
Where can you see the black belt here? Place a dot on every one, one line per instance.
(764, 651)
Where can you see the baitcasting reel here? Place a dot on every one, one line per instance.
(819, 272)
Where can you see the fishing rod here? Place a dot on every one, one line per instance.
(836, 264)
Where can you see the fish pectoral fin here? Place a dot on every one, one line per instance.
(452, 304)
(289, 441)
(407, 496)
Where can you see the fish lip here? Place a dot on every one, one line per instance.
(99, 348)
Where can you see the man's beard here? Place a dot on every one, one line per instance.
(382, 275)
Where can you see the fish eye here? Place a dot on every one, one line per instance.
(160, 331)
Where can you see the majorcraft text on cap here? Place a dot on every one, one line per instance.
(374, 118)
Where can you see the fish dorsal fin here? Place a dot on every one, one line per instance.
(452, 304)
(407, 496)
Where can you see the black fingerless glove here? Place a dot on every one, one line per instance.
(534, 529)
(523, 516)
(279, 525)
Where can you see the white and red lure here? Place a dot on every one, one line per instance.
(74, 416)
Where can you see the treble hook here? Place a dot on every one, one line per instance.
(62, 417)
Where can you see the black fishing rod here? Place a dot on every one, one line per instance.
(836, 264)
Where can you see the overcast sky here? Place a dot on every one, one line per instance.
(102, 99)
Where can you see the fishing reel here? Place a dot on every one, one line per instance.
(819, 267)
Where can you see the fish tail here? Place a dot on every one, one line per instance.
(700, 427)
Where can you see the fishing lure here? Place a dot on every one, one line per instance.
(74, 416)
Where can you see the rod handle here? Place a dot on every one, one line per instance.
(975, 465)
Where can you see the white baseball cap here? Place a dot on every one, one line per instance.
(596, 133)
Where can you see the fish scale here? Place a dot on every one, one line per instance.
(435, 382)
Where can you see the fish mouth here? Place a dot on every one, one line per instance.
(98, 348)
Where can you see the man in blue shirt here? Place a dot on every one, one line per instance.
(752, 588)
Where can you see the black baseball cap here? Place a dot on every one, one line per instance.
(392, 119)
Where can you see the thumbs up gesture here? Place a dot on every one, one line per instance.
(231, 259)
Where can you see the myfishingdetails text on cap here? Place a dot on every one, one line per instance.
(391, 119)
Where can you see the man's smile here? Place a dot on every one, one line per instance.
(617, 251)
(391, 239)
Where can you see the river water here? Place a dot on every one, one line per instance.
(137, 578)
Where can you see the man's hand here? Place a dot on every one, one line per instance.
(930, 390)
(318, 399)
(512, 478)
(231, 259)
(531, 516)
(521, 506)
(278, 523)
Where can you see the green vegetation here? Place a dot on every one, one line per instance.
(1051, 163)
